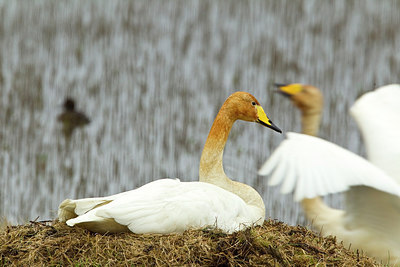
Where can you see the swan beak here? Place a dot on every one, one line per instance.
(289, 90)
(263, 120)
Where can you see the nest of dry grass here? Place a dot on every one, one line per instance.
(272, 244)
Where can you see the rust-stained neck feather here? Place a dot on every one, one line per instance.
(211, 158)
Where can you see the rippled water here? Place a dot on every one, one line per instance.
(152, 75)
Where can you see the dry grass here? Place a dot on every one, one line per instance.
(273, 244)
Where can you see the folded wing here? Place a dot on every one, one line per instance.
(167, 206)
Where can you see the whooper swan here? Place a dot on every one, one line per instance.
(168, 205)
(313, 167)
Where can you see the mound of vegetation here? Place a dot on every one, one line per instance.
(272, 244)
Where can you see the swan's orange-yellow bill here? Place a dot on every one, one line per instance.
(264, 120)
(289, 89)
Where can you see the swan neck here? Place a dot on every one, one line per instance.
(313, 207)
(323, 217)
(310, 122)
(211, 169)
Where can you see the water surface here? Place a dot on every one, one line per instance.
(152, 75)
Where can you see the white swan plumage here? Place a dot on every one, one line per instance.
(169, 205)
(312, 167)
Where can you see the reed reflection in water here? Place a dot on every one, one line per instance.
(151, 76)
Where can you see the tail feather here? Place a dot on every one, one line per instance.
(70, 208)
(97, 224)
(66, 210)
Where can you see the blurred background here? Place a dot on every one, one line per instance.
(151, 76)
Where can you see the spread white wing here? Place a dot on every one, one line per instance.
(377, 114)
(312, 167)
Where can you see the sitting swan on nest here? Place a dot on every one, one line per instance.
(313, 167)
(168, 205)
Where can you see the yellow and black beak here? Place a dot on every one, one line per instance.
(288, 90)
(264, 120)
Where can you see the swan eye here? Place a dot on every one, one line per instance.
(253, 103)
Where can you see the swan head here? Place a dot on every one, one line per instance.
(245, 106)
(307, 98)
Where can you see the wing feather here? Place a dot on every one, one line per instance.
(376, 212)
(290, 178)
(377, 114)
(322, 167)
(278, 174)
(167, 205)
(272, 162)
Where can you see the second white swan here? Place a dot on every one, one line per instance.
(312, 167)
